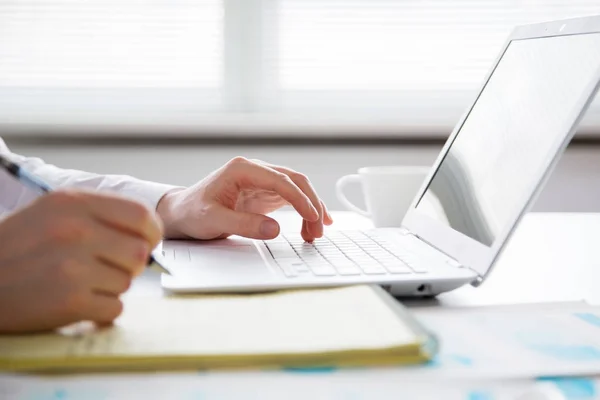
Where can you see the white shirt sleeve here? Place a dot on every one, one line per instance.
(14, 195)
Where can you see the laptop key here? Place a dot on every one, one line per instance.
(288, 270)
(347, 253)
(290, 260)
(363, 260)
(334, 256)
(373, 270)
(337, 259)
(307, 250)
(383, 258)
(349, 271)
(300, 267)
(418, 268)
(415, 264)
(347, 268)
(323, 270)
(397, 268)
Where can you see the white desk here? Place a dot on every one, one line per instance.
(551, 257)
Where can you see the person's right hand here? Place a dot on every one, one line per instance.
(68, 256)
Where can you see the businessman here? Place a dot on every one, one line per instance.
(68, 256)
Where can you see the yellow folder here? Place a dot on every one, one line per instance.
(350, 326)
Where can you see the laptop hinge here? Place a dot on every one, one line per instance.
(451, 260)
(454, 263)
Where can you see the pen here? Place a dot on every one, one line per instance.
(39, 185)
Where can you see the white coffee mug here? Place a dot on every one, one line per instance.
(389, 192)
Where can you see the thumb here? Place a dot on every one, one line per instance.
(250, 225)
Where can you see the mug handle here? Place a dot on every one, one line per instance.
(339, 191)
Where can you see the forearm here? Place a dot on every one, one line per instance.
(145, 192)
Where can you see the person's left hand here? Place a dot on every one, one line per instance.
(234, 199)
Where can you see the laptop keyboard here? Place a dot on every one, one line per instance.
(342, 253)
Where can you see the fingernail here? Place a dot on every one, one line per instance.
(269, 228)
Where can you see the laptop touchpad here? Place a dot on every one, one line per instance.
(224, 254)
(231, 257)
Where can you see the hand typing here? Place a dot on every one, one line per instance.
(233, 200)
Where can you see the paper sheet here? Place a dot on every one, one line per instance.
(289, 386)
(515, 341)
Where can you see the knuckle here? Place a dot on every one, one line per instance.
(139, 251)
(285, 178)
(207, 209)
(301, 178)
(69, 270)
(71, 230)
(239, 160)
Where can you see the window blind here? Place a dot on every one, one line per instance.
(110, 43)
(108, 61)
(262, 66)
(402, 45)
(412, 62)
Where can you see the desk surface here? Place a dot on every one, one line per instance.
(551, 257)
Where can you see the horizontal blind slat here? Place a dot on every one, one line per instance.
(125, 43)
(399, 45)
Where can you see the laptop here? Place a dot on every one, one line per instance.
(484, 180)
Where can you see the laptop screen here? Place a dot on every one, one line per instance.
(509, 137)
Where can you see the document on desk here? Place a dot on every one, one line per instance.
(520, 341)
(268, 385)
(500, 353)
(352, 326)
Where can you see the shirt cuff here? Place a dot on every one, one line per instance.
(148, 193)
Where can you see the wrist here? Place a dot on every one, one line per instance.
(169, 212)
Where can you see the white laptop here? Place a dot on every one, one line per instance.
(487, 175)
